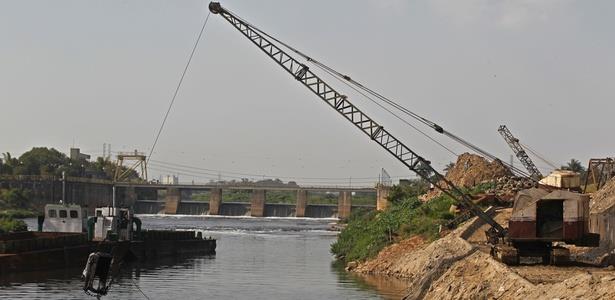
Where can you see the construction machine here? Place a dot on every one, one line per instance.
(497, 236)
(520, 153)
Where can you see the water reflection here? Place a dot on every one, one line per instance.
(256, 259)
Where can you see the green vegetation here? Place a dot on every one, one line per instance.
(368, 232)
(236, 195)
(12, 225)
(281, 197)
(288, 197)
(16, 203)
(49, 161)
(17, 213)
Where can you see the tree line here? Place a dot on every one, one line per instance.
(51, 162)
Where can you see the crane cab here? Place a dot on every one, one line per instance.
(541, 218)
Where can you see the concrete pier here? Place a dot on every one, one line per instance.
(382, 194)
(172, 201)
(344, 204)
(215, 201)
(302, 198)
(257, 208)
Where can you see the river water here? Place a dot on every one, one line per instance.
(257, 258)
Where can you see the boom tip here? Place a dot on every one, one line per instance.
(215, 7)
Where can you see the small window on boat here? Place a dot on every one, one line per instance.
(63, 213)
(74, 214)
(52, 213)
(99, 213)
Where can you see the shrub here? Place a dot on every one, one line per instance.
(367, 233)
(12, 225)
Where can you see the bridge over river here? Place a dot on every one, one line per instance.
(156, 198)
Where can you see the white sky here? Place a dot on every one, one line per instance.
(94, 72)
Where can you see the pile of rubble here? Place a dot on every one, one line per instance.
(506, 187)
(472, 169)
(604, 198)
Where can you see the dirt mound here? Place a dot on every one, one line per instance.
(604, 198)
(391, 255)
(418, 262)
(478, 236)
(472, 169)
(398, 261)
(452, 268)
(478, 276)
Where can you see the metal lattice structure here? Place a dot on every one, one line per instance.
(599, 172)
(139, 161)
(340, 103)
(514, 144)
(385, 178)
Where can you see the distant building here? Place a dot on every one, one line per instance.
(170, 179)
(75, 154)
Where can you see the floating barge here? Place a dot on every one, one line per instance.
(34, 251)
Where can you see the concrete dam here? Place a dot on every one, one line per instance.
(155, 198)
(187, 207)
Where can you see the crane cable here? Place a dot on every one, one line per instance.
(179, 84)
(392, 103)
(392, 113)
(539, 156)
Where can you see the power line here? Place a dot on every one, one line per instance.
(181, 79)
(216, 172)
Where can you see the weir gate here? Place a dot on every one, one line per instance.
(255, 201)
(172, 199)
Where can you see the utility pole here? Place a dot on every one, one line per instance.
(63, 200)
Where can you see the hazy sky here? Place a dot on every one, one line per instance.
(94, 72)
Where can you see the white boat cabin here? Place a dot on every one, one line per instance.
(64, 218)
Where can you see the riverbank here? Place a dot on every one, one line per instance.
(457, 266)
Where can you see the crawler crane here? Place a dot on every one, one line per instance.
(503, 247)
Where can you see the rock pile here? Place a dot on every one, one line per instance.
(604, 198)
(472, 169)
(512, 184)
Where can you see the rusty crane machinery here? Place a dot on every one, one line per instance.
(520, 153)
(503, 247)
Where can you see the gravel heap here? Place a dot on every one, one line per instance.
(472, 169)
(604, 198)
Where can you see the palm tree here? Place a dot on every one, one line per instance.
(449, 167)
(574, 165)
(8, 163)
